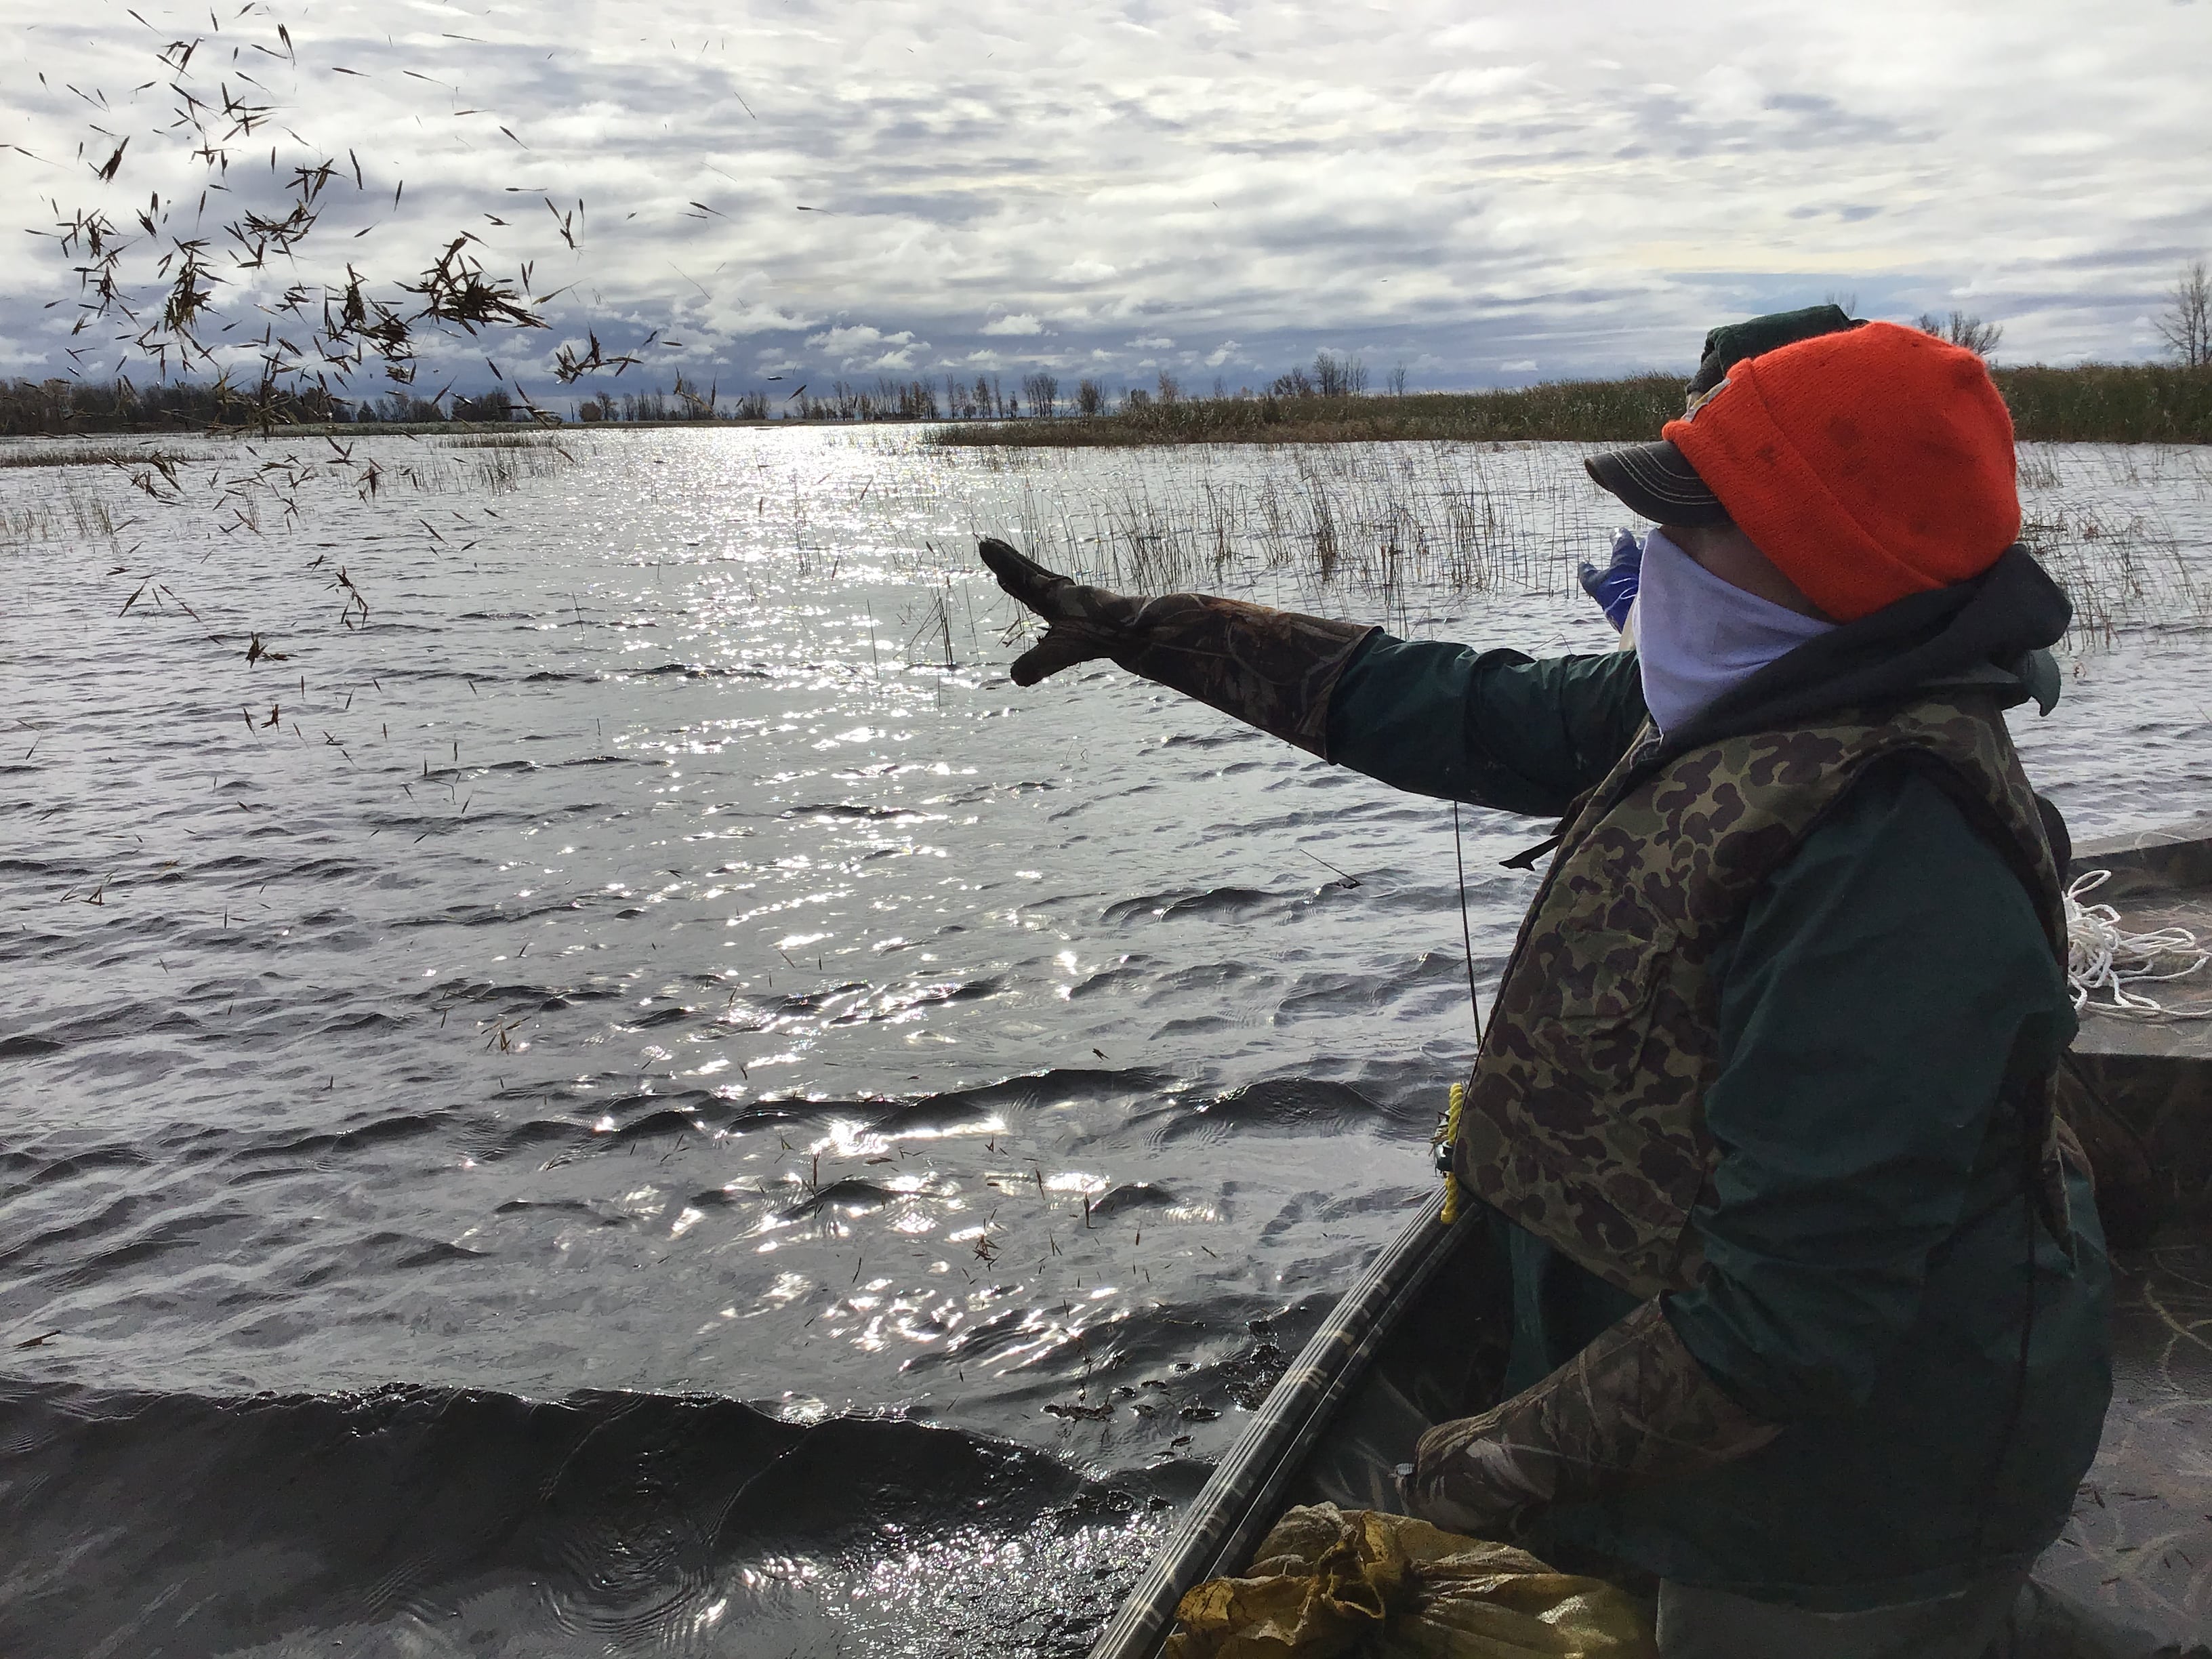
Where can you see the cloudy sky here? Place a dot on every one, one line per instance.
(1487, 194)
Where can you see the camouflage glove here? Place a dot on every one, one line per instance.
(1634, 1406)
(1273, 669)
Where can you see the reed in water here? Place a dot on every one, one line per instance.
(1403, 531)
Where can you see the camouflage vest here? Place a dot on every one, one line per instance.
(1585, 1120)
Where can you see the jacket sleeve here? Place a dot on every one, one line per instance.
(1885, 982)
(1495, 728)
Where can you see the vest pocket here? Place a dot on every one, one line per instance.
(1583, 1122)
(1606, 1008)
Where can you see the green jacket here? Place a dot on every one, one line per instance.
(1867, 1241)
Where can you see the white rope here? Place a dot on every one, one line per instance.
(2101, 958)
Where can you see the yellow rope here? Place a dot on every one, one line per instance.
(1451, 1139)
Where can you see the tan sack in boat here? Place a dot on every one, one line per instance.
(1328, 1581)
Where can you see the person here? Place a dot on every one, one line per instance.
(1810, 1300)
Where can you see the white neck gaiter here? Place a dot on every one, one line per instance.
(1698, 636)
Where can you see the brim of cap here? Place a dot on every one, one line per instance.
(1656, 482)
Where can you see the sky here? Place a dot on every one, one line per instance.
(1487, 195)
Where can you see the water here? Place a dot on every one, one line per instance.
(643, 1097)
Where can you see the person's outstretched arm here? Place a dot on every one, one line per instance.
(1491, 727)
(1497, 727)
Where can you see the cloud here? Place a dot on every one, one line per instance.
(1589, 188)
(848, 344)
(1473, 84)
(1520, 366)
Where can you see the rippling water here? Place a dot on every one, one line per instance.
(643, 1097)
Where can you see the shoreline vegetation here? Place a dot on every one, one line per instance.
(2094, 403)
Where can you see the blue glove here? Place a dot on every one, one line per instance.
(1614, 586)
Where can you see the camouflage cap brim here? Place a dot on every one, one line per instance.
(1656, 482)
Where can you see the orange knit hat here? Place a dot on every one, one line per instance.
(1867, 464)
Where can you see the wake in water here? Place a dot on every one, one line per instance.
(436, 1522)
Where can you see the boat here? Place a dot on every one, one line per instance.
(1401, 1351)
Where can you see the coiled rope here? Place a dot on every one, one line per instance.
(1446, 1140)
(2103, 960)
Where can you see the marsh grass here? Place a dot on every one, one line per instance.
(74, 516)
(501, 469)
(90, 455)
(1400, 532)
(2110, 403)
(525, 439)
(252, 484)
(1590, 412)
(2099, 402)
(1391, 530)
(2125, 568)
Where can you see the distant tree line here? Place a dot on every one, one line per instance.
(2109, 403)
(1333, 376)
(1041, 395)
(686, 403)
(887, 399)
(58, 405)
(955, 397)
(63, 405)
(2122, 403)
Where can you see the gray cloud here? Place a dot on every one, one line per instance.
(902, 187)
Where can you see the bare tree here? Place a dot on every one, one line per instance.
(1043, 391)
(1170, 389)
(1089, 397)
(1338, 376)
(2186, 325)
(1398, 380)
(1960, 329)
